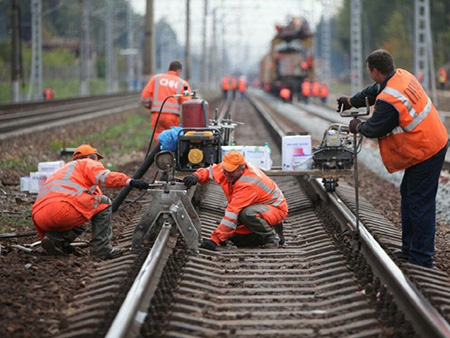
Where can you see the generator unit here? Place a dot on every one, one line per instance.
(198, 148)
(336, 149)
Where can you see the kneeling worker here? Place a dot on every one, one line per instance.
(71, 196)
(256, 206)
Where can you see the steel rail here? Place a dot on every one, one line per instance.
(133, 311)
(423, 316)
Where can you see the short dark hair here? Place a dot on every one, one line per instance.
(381, 60)
(175, 65)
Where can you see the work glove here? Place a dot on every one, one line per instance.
(190, 180)
(353, 125)
(208, 245)
(138, 184)
(343, 101)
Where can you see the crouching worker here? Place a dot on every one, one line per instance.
(71, 196)
(256, 206)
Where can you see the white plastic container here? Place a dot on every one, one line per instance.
(37, 179)
(227, 149)
(258, 156)
(25, 183)
(302, 162)
(49, 167)
(293, 150)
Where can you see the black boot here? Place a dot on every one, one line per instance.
(279, 230)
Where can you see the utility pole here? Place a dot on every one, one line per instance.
(35, 91)
(149, 53)
(15, 55)
(110, 64)
(131, 54)
(203, 61)
(213, 58)
(84, 48)
(187, 48)
(326, 42)
(356, 46)
(423, 49)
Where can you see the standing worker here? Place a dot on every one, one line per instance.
(225, 86)
(306, 90)
(242, 86)
(256, 206)
(411, 137)
(315, 91)
(323, 92)
(158, 89)
(442, 78)
(233, 86)
(285, 94)
(71, 196)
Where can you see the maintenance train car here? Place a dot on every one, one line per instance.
(290, 59)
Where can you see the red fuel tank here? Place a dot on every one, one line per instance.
(195, 114)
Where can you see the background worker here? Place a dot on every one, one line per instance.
(157, 90)
(225, 86)
(256, 206)
(306, 90)
(234, 86)
(285, 94)
(71, 196)
(323, 92)
(411, 137)
(442, 78)
(315, 89)
(242, 86)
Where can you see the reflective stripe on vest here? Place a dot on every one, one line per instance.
(169, 107)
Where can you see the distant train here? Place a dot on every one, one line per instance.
(290, 59)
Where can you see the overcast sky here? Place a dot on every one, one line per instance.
(249, 25)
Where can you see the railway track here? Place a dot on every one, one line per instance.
(21, 119)
(324, 281)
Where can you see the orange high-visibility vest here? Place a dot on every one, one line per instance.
(285, 93)
(306, 88)
(225, 83)
(421, 133)
(160, 87)
(315, 88)
(323, 91)
(234, 83)
(242, 85)
(253, 187)
(78, 183)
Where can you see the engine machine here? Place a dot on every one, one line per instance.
(335, 150)
(200, 140)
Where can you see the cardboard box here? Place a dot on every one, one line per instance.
(226, 149)
(37, 179)
(292, 150)
(25, 183)
(258, 156)
(49, 167)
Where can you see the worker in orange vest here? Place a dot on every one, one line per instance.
(48, 94)
(234, 86)
(71, 196)
(285, 94)
(225, 86)
(256, 206)
(306, 90)
(315, 89)
(411, 138)
(158, 89)
(442, 78)
(242, 86)
(323, 92)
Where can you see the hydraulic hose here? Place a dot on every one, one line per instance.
(138, 174)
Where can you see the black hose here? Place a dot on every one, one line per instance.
(138, 174)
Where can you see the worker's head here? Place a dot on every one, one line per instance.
(176, 66)
(233, 165)
(86, 151)
(380, 64)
